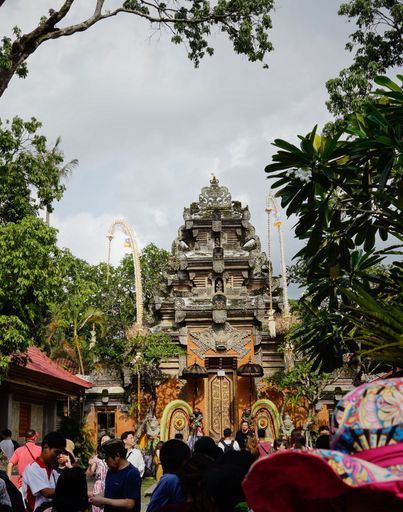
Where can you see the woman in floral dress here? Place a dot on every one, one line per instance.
(98, 468)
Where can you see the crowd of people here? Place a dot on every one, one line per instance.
(357, 465)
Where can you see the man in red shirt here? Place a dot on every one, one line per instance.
(24, 455)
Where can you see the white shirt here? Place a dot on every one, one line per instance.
(7, 448)
(227, 442)
(35, 478)
(135, 458)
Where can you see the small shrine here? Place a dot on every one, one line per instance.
(217, 303)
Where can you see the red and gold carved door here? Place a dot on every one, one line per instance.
(221, 403)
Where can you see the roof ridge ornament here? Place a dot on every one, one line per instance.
(214, 196)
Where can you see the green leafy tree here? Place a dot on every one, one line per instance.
(301, 387)
(107, 289)
(378, 326)
(378, 45)
(154, 263)
(30, 172)
(29, 284)
(69, 327)
(345, 194)
(244, 22)
(144, 354)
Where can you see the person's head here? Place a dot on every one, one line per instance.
(103, 439)
(115, 453)
(206, 445)
(299, 442)
(65, 458)
(227, 432)
(71, 491)
(52, 445)
(159, 445)
(31, 435)
(173, 454)
(280, 445)
(261, 433)
(323, 442)
(179, 436)
(128, 439)
(324, 430)
(192, 478)
(252, 447)
(6, 433)
(244, 426)
(223, 486)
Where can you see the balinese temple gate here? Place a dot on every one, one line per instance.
(215, 304)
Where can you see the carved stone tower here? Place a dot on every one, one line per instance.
(215, 305)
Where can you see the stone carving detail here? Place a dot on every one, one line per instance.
(216, 226)
(219, 308)
(180, 310)
(221, 338)
(218, 266)
(215, 196)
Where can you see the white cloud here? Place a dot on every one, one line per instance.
(148, 129)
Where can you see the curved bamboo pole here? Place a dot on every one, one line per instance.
(128, 231)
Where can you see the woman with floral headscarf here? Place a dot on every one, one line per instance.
(363, 470)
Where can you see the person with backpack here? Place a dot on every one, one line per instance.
(227, 443)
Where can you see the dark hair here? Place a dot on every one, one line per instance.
(227, 432)
(252, 447)
(242, 458)
(244, 421)
(71, 491)
(173, 454)
(322, 428)
(54, 440)
(192, 478)
(261, 432)
(224, 486)
(114, 447)
(126, 434)
(278, 442)
(179, 436)
(70, 456)
(323, 442)
(30, 433)
(6, 432)
(206, 445)
(299, 442)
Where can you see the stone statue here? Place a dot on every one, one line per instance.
(195, 426)
(219, 285)
(287, 427)
(153, 427)
(247, 416)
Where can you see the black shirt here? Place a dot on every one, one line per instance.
(242, 437)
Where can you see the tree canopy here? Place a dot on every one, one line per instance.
(244, 22)
(378, 45)
(346, 194)
(30, 171)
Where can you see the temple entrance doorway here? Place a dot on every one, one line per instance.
(221, 394)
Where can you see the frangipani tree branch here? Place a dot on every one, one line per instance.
(244, 21)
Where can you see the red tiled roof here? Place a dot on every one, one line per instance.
(40, 363)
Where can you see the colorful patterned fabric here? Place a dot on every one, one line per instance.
(354, 471)
(370, 416)
(369, 423)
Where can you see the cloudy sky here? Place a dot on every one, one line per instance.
(148, 129)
